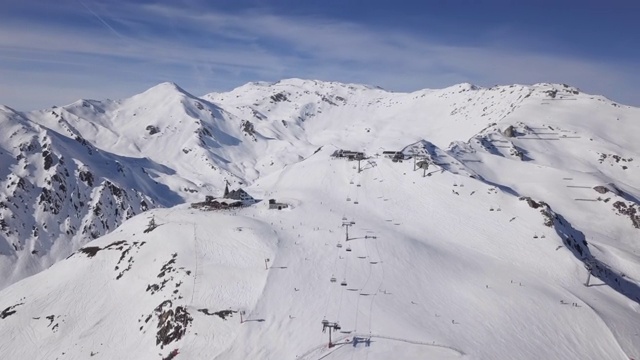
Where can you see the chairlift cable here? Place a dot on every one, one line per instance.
(332, 291)
(379, 259)
(338, 316)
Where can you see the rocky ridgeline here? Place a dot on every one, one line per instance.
(69, 201)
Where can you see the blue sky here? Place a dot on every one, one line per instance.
(55, 52)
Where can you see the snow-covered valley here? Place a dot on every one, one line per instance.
(476, 245)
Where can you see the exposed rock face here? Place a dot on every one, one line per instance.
(545, 211)
(61, 192)
(631, 210)
(153, 129)
(172, 323)
(510, 131)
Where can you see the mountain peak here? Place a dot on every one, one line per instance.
(167, 86)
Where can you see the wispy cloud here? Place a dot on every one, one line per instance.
(123, 49)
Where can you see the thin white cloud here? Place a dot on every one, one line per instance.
(206, 50)
(103, 21)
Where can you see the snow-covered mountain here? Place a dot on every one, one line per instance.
(89, 165)
(481, 255)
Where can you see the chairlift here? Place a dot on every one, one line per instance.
(349, 248)
(333, 279)
(344, 282)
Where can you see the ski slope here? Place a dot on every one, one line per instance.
(482, 258)
(486, 289)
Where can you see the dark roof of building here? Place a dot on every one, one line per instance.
(237, 194)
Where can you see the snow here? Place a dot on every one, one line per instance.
(452, 265)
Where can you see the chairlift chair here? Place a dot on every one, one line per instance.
(333, 279)
(348, 199)
(351, 182)
(339, 245)
(344, 282)
(355, 202)
(349, 248)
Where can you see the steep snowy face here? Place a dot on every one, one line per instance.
(58, 191)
